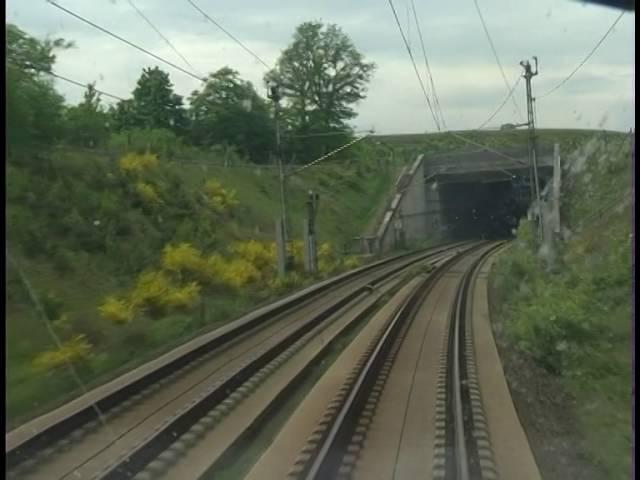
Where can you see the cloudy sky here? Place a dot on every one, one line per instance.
(467, 79)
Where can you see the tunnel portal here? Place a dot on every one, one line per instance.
(488, 210)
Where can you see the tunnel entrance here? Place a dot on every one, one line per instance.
(473, 210)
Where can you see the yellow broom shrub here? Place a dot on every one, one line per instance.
(116, 310)
(77, 349)
(136, 163)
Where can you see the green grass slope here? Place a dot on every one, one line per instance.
(80, 230)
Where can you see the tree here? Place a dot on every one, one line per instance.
(229, 111)
(154, 105)
(321, 76)
(34, 108)
(87, 123)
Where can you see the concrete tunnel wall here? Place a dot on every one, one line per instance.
(410, 205)
(418, 205)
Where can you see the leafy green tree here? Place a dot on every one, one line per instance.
(34, 109)
(228, 111)
(155, 105)
(87, 123)
(321, 76)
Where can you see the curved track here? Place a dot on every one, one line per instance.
(145, 413)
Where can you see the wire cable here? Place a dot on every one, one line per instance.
(117, 37)
(80, 84)
(504, 102)
(436, 101)
(247, 49)
(166, 40)
(324, 157)
(495, 54)
(404, 39)
(585, 59)
(66, 79)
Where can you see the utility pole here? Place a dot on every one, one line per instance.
(310, 244)
(533, 166)
(284, 259)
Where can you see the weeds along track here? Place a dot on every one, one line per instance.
(163, 408)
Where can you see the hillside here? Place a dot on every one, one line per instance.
(563, 319)
(83, 229)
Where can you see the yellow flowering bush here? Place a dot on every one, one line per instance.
(183, 258)
(150, 290)
(182, 297)
(136, 163)
(148, 193)
(75, 350)
(261, 255)
(220, 199)
(239, 272)
(116, 310)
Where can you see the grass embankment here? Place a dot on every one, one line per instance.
(570, 312)
(82, 229)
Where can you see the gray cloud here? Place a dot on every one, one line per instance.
(469, 84)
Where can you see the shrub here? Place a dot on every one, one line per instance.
(133, 163)
(148, 194)
(182, 297)
(150, 291)
(261, 255)
(351, 262)
(218, 198)
(239, 272)
(116, 310)
(75, 350)
(282, 284)
(183, 258)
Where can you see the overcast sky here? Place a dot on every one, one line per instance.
(467, 79)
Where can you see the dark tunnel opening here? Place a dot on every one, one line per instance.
(490, 210)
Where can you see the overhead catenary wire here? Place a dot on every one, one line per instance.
(80, 84)
(230, 35)
(124, 40)
(504, 102)
(566, 79)
(495, 54)
(406, 44)
(161, 35)
(460, 137)
(324, 157)
(436, 101)
(66, 79)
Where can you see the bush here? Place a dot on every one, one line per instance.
(183, 258)
(218, 198)
(148, 194)
(351, 262)
(238, 273)
(261, 255)
(182, 297)
(134, 163)
(116, 310)
(158, 141)
(75, 350)
(150, 291)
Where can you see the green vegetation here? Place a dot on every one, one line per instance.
(128, 234)
(569, 309)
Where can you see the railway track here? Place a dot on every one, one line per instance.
(153, 418)
(414, 403)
